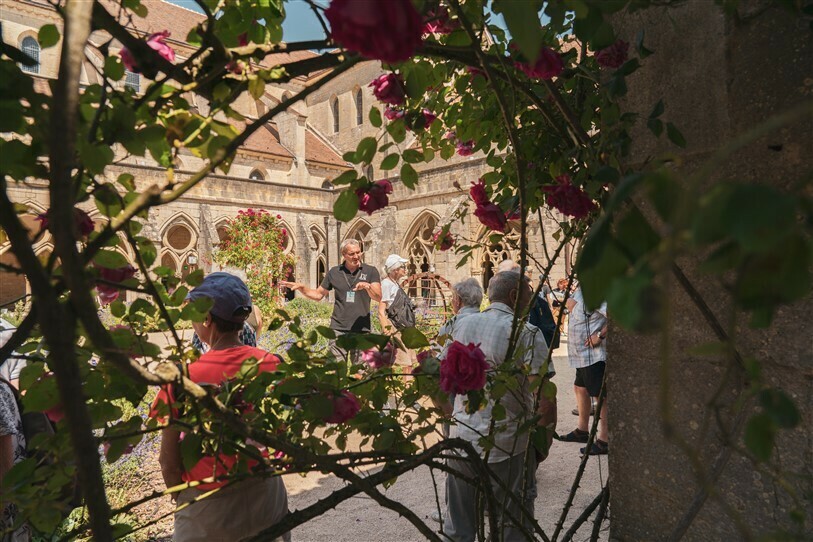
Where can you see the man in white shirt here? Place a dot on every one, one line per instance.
(511, 459)
(587, 353)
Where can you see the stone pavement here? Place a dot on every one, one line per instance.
(360, 519)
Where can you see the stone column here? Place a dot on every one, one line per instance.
(719, 77)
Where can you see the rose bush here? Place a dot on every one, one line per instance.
(157, 42)
(375, 196)
(389, 31)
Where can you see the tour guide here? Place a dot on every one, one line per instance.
(355, 284)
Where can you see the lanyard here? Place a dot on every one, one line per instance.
(350, 286)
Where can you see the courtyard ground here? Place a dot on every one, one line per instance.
(360, 519)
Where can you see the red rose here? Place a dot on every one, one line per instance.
(374, 197)
(84, 224)
(389, 88)
(156, 42)
(108, 292)
(548, 65)
(567, 198)
(614, 55)
(443, 243)
(377, 359)
(437, 22)
(465, 148)
(389, 31)
(463, 369)
(345, 407)
(475, 72)
(478, 192)
(491, 216)
(428, 118)
(393, 114)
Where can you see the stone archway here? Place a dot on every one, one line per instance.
(419, 249)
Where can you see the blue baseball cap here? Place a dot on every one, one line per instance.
(230, 296)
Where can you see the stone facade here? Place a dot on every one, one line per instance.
(284, 168)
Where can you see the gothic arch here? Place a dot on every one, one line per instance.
(359, 231)
(179, 238)
(418, 247)
(491, 254)
(318, 247)
(335, 114)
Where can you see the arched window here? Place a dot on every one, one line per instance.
(493, 254)
(256, 175)
(132, 81)
(327, 185)
(419, 250)
(31, 48)
(334, 109)
(359, 108)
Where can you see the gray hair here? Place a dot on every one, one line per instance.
(502, 284)
(506, 265)
(346, 243)
(469, 292)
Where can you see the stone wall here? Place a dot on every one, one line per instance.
(719, 78)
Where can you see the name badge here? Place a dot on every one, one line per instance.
(351, 297)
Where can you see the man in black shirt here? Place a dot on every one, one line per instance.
(355, 284)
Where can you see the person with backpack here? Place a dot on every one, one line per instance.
(238, 509)
(395, 310)
(12, 451)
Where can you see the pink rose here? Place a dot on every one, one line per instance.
(378, 359)
(445, 242)
(478, 192)
(157, 42)
(389, 89)
(567, 198)
(437, 21)
(548, 65)
(613, 56)
(424, 358)
(393, 114)
(465, 148)
(389, 31)
(491, 216)
(345, 407)
(374, 197)
(84, 224)
(108, 292)
(463, 369)
(428, 118)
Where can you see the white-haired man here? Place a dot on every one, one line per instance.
(355, 283)
(511, 459)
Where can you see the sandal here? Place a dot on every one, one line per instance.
(577, 435)
(599, 448)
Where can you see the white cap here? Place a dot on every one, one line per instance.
(394, 261)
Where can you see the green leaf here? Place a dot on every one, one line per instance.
(195, 278)
(389, 162)
(413, 338)
(409, 176)
(365, 151)
(759, 436)
(114, 68)
(110, 259)
(412, 156)
(256, 87)
(147, 250)
(191, 450)
(675, 136)
(397, 131)
(375, 117)
(643, 52)
(780, 408)
(345, 178)
(346, 206)
(655, 126)
(658, 110)
(522, 19)
(95, 157)
(326, 332)
(48, 36)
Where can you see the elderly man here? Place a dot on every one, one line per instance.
(511, 459)
(467, 295)
(355, 284)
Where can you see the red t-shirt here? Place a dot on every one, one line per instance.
(215, 367)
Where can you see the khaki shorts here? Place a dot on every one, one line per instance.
(233, 513)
